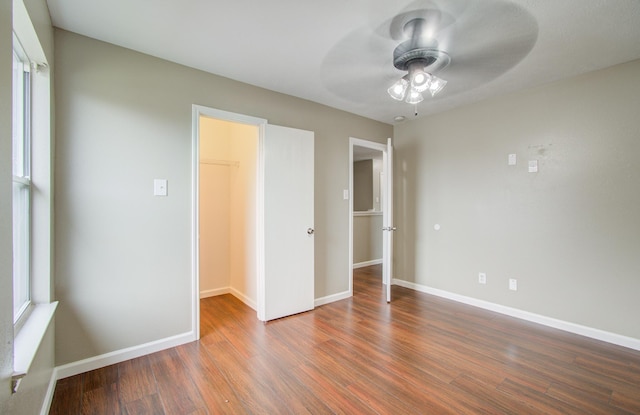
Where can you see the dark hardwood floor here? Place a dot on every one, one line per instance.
(419, 355)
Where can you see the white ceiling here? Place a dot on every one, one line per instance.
(339, 52)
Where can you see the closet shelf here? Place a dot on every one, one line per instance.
(220, 162)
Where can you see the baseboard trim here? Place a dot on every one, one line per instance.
(48, 396)
(240, 296)
(586, 331)
(367, 263)
(332, 298)
(214, 292)
(96, 362)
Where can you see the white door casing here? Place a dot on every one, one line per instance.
(387, 209)
(387, 220)
(284, 213)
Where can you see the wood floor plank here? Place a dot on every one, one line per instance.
(629, 403)
(136, 380)
(335, 395)
(419, 354)
(218, 395)
(101, 400)
(250, 386)
(177, 391)
(67, 396)
(146, 405)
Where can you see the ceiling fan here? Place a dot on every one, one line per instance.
(419, 56)
(426, 45)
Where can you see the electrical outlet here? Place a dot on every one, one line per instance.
(482, 278)
(513, 284)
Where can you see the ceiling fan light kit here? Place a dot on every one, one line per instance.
(417, 55)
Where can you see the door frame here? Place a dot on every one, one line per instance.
(382, 147)
(196, 112)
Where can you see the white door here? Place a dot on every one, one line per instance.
(288, 260)
(387, 220)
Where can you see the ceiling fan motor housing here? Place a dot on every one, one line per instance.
(419, 48)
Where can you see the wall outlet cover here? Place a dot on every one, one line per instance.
(482, 278)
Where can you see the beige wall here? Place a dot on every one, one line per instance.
(570, 234)
(123, 256)
(367, 238)
(363, 185)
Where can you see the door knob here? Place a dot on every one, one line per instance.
(310, 231)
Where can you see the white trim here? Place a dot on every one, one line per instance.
(97, 362)
(48, 396)
(195, 219)
(367, 263)
(353, 141)
(214, 292)
(260, 307)
(567, 326)
(240, 296)
(27, 341)
(197, 111)
(332, 298)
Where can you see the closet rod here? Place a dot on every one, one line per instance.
(220, 162)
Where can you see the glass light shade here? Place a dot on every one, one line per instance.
(420, 80)
(398, 90)
(414, 97)
(436, 85)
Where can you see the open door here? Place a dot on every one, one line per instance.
(387, 220)
(287, 285)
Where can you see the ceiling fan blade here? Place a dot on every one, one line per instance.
(360, 62)
(483, 39)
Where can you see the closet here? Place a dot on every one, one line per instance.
(228, 154)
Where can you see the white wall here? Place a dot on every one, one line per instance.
(123, 256)
(215, 252)
(570, 234)
(228, 209)
(243, 147)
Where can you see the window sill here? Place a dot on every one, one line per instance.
(28, 340)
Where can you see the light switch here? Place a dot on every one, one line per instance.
(533, 166)
(512, 159)
(160, 187)
(345, 194)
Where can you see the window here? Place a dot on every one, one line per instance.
(21, 161)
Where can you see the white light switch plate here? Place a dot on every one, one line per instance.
(512, 159)
(160, 187)
(533, 166)
(345, 194)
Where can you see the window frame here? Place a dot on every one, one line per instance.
(22, 183)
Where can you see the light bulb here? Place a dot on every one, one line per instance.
(397, 90)
(414, 97)
(436, 85)
(420, 80)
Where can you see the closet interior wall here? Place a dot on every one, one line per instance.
(228, 160)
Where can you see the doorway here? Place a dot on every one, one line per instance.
(370, 212)
(260, 249)
(227, 221)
